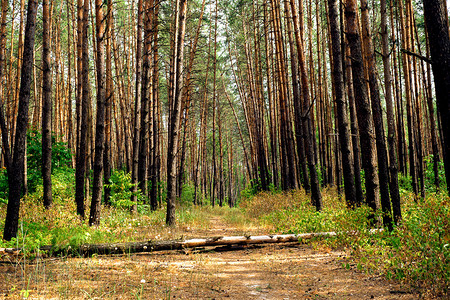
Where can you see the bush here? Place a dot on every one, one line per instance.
(61, 158)
(187, 195)
(121, 190)
(4, 187)
(416, 252)
(404, 183)
(421, 245)
(304, 218)
(429, 175)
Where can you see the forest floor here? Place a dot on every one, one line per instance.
(281, 271)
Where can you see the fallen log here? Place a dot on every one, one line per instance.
(150, 246)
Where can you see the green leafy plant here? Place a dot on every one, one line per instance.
(404, 183)
(187, 195)
(430, 185)
(421, 247)
(61, 157)
(121, 189)
(4, 188)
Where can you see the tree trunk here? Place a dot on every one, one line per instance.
(365, 122)
(214, 109)
(272, 104)
(436, 22)
(288, 173)
(393, 183)
(6, 151)
(299, 128)
(342, 116)
(176, 104)
(137, 100)
(46, 105)
(156, 166)
(109, 94)
(146, 95)
(94, 218)
(150, 246)
(434, 138)
(316, 196)
(16, 170)
(377, 115)
(408, 93)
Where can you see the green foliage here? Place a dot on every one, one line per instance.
(250, 191)
(253, 188)
(162, 191)
(319, 175)
(429, 175)
(61, 158)
(421, 245)
(404, 183)
(363, 181)
(63, 184)
(416, 252)
(64, 237)
(61, 166)
(121, 190)
(306, 219)
(187, 195)
(4, 187)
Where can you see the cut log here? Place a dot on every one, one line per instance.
(150, 246)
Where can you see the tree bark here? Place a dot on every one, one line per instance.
(288, 173)
(156, 115)
(46, 106)
(6, 151)
(365, 122)
(342, 115)
(436, 21)
(83, 111)
(109, 96)
(297, 101)
(137, 100)
(393, 169)
(316, 196)
(150, 246)
(16, 171)
(94, 217)
(174, 123)
(146, 95)
(377, 115)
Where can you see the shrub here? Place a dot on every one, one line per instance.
(61, 158)
(416, 252)
(421, 245)
(187, 195)
(4, 187)
(430, 185)
(404, 183)
(121, 189)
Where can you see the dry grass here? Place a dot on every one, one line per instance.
(266, 202)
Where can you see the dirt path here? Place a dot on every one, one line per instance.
(288, 271)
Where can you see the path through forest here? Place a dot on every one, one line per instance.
(283, 271)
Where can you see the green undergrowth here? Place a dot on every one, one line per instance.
(61, 227)
(416, 252)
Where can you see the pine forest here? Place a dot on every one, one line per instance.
(315, 123)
